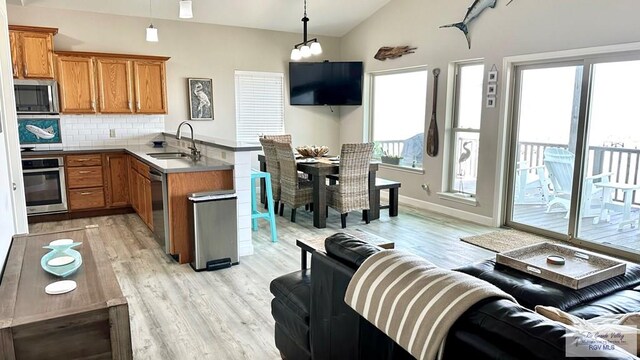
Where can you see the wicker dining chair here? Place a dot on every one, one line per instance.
(294, 192)
(352, 192)
(273, 168)
(284, 138)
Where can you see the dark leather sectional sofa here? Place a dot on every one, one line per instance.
(313, 322)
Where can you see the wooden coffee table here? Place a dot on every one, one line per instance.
(317, 243)
(91, 321)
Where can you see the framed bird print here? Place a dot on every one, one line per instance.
(200, 99)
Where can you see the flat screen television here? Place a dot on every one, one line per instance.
(325, 83)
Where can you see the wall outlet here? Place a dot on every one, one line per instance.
(112, 133)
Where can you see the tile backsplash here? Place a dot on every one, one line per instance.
(96, 130)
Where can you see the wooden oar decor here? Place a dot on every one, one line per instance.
(432, 133)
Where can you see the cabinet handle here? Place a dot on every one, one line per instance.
(82, 160)
(129, 105)
(93, 105)
(86, 193)
(84, 172)
(25, 70)
(138, 104)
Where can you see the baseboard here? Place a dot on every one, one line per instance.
(460, 214)
(245, 249)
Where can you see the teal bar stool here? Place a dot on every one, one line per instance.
(255, 214)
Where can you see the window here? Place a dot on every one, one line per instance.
(398, 116)
(465, 130)
(259, 105)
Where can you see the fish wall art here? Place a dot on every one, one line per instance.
(39, 131)
(473, 12)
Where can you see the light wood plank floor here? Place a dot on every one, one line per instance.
(177, 313)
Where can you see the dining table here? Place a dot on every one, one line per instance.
(318, 172)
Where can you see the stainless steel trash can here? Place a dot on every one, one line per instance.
(213, 230)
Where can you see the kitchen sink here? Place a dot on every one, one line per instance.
(168, 155)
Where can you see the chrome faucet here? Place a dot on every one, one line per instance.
(195, 153)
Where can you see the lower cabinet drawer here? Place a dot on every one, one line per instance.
(84, 177)
(91, 198)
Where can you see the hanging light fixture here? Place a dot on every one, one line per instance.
(186, 10)
(307, 47)
(152, 32)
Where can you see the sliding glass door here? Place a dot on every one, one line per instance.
(574, 162)
(548, 100)
(612, 161)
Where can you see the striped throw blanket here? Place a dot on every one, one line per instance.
(413, 301)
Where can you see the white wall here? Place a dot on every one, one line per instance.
(524, 27)
(10, 219)
(196, 50)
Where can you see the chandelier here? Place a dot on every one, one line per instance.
(307, 47)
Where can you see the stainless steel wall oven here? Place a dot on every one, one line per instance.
(44, 185)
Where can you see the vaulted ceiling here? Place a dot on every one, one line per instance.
(327, 17)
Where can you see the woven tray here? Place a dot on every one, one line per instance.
(581, 268)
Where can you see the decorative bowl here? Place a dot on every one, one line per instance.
(58, 251)
(313, 151)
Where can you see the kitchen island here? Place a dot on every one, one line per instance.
(109, 179)
(105, 179)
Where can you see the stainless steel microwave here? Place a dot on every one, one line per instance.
(36, 96)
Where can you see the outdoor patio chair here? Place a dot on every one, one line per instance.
(531, 185)
(559, 163)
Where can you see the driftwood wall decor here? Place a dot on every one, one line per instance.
(391, 52)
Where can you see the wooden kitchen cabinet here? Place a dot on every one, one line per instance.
(116, 172)
(150, 88)
(15, 55)
(91, 198)
(84, 177)
(85, 183)
(115, 85)
(179, 187)
(125, 84)
(32, 52)
(77, 85)
(140, 190)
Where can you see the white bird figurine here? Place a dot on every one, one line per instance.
(466, 154)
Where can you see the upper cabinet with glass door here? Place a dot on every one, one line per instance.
(32, 51)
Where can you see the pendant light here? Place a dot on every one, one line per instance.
(152, 32)
(306, 48)
(186, 10)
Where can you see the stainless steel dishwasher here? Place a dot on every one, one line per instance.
(159, 208)
(213, 230)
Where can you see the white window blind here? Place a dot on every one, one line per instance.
(259, 104)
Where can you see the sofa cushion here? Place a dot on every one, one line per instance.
(294, 291)
(348, 249)
(499, 329)
(621, 302)
(289, 349)
(530, 290)
(296, 328)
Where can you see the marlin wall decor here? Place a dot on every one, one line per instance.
(473, 12)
